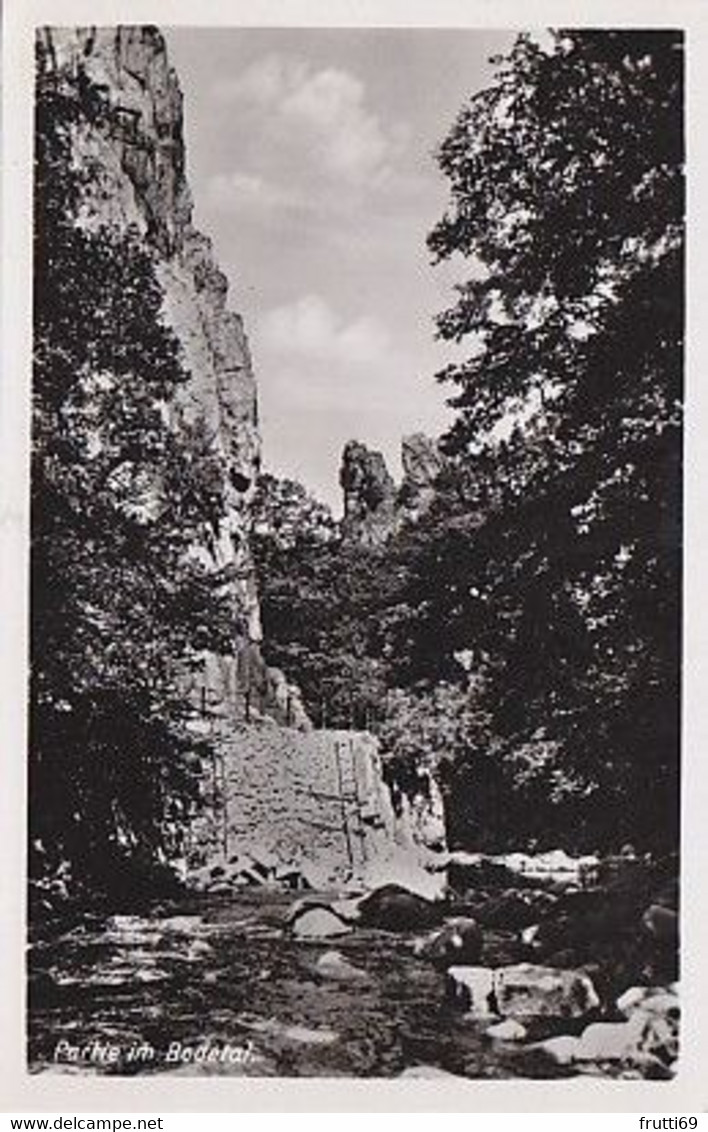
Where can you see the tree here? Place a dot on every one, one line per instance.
(320, 599)
(567, 197)
(123, 489)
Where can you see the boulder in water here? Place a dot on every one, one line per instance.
(459, 942)
(333, 965)
(644, 1040)
(524, 991)
(317, 922)
(650, 1000)
(473, 989)
(608, 1041)
(662, 924)
(507, 1031)
(395, 909)
(527, 991)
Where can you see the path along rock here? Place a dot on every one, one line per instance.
(523, 991)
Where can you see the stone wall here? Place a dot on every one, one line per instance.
(313, 804)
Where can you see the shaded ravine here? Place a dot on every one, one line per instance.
(218, 976)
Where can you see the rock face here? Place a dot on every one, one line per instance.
(369, 496)
(374, 507)
(422, 463)
(126, 143)
(303, 798)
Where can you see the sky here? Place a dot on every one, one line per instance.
(310, 156)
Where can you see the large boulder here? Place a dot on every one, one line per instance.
(527, 991)
(647, 1045)
(507, 1031)
(395, 909)
(332, 965)
(459, 942)
(472, 988)
(662, 924)
(406, 868)
(515, 908)
(524, 990)
(313, 922)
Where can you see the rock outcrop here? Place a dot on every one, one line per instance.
(126, 147)
(422, 463)
(374, 507)
(369, 496)
(313, 805)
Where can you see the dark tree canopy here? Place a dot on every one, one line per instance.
(122, 489)
(568, 199)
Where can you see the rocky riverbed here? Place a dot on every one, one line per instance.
(216, 984)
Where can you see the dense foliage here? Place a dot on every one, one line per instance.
(522, 635)
(320, 600)
(568, 196)
(122, 488)
(531, 619)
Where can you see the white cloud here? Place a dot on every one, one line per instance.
(240, 191)
(266, 81)
(326, 108)
(310, 327)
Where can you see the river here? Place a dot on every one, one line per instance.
(213, 985)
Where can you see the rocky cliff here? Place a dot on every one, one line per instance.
(374, 507)
(369, 495)
(127, 149)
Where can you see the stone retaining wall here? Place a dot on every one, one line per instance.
(314, 800)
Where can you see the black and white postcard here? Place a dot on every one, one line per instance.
(351, 422)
